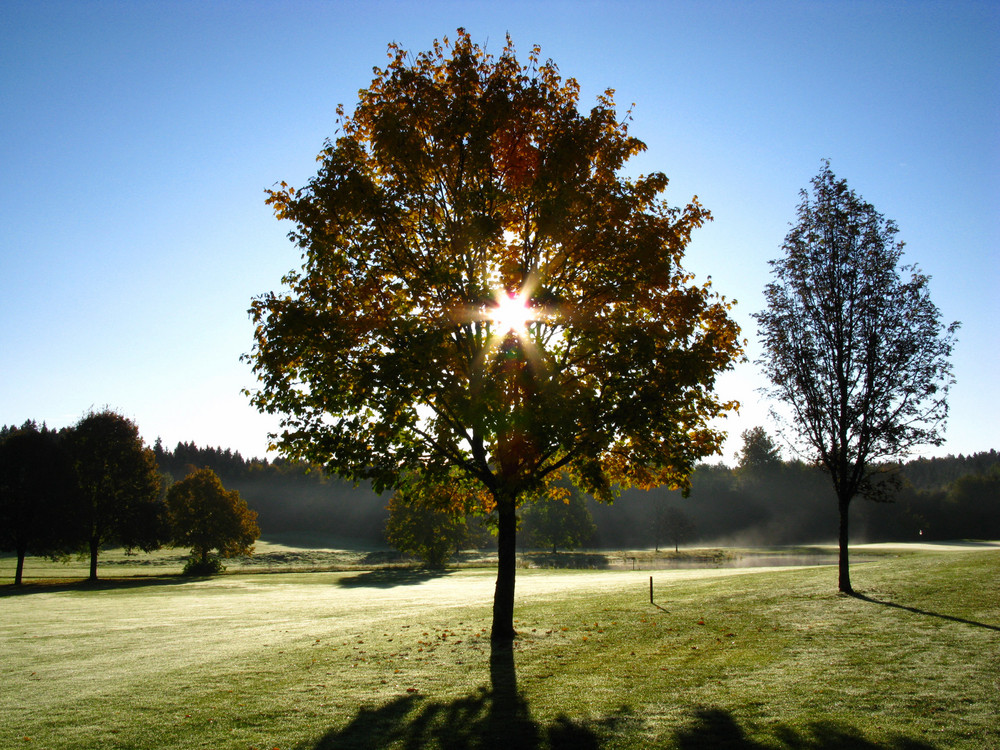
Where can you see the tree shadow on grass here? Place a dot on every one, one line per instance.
(715, 729)
(101, 584)
(497, 718)
(389, 577)
(951, 618)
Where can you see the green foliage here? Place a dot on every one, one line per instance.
(118, 486)
(941, 472)
(206, 516)
(856, 352)
(433, 521)
(489, 180)
(558, 522)
(459, 181)
(226, 463)
(787, 503)
(759, 453)
(203, 566)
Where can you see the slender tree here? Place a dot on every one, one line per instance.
(204, 515)
(118, 486)
(483, 290)
(671, 523)
(853, 345)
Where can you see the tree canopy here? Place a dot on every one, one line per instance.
(435, 520)
(483, 288)
(204, 515)
(853, 345)
(118, 486)
(759, 451)
(558, 522)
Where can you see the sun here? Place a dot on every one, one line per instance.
(511, 313)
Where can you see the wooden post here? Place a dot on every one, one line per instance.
(651, 589)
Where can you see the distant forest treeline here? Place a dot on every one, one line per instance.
(771, 502)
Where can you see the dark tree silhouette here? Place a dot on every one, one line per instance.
(483, 290)
(36, 493)
(759, 451)
(853, 348)
(671, 524)
(118, 486)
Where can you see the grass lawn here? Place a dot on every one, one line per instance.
(727, 658)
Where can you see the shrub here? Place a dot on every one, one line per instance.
(198, 566)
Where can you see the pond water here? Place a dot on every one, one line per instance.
(744, 560)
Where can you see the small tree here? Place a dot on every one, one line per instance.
(855, 351)
(118, 486)
(759, 453)
(432, 520)
(205, 516)
(560, 520)
(672, 524)
(36, 494)
(483, 289)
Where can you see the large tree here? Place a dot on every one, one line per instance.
(204, 516)
(36, 494)
(853, 345)
(118, 486)
(483, 289)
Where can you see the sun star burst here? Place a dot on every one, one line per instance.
(511, 313)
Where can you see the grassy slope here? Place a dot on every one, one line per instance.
(400, 659)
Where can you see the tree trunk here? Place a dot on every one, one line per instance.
(503, 596)
(94, 548)
(845, 570)
(19, 571)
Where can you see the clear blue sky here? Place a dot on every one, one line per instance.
(137, 138)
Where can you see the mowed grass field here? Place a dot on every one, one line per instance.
(726, 658)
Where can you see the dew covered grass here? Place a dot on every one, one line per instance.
(747, 658)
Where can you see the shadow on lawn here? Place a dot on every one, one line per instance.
(499, 718)
(101, 584)
(916, 611)
(714, 729)
(487, 719)
(389, 577)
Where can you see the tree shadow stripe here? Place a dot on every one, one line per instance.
(916, 611)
